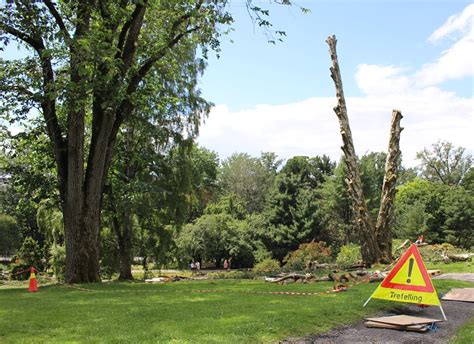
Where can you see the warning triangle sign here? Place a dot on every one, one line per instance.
(408, 281)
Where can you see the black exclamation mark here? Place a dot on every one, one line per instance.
(410, 268)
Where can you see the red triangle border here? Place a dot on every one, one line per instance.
(387, 282)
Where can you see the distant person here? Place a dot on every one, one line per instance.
(192, 266)
(198, 266)
(226, 264)
(419, 241)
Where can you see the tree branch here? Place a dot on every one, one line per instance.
(133, 30)
(148, 64)
(34, 43)
(59, 21)
(21, 90)
(48, 104)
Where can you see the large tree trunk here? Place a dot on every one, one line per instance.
(81, 204)
(382, 228)
(369, 246)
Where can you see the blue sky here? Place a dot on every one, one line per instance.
(393, 54)
(415, 56)
(251, 71)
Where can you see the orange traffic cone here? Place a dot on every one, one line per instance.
(33, 285)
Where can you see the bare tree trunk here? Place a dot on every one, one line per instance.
(384, 219)
(369, 246)
(123, 231)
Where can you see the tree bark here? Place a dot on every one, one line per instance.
(369, 246)
(384, 218)
(123, 231)
(81, 208)
(376, 241)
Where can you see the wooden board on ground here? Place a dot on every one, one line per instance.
(403, 320)
(414, 328)
(434, 272)
(460, 294)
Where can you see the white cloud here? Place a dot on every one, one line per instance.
(311, 128)
(454, 63)
(375, 79)
(461, 22)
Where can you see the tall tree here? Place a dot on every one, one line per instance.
(249, 178)
(93, 63)
(444, 163)
(442, 213)
(291, 214)
(335, 209)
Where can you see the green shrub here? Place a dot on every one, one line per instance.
(109, 259)
(57, 260)
(267, 266)
(349, 255)
(29, 255)
(307, 254)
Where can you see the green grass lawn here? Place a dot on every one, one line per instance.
(465, 334)
(451, 267)
(164, 313)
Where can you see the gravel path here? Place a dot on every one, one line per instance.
(456, 312)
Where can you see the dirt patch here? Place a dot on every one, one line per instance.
(456, 312)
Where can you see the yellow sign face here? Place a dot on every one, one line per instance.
(408, 281)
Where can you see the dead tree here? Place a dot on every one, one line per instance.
(375, 239)
(384, 218)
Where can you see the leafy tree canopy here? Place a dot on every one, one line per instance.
(444, 163)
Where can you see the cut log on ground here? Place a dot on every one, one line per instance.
(316, 265)
(434, 272)
(460, 257)
(293, 277)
